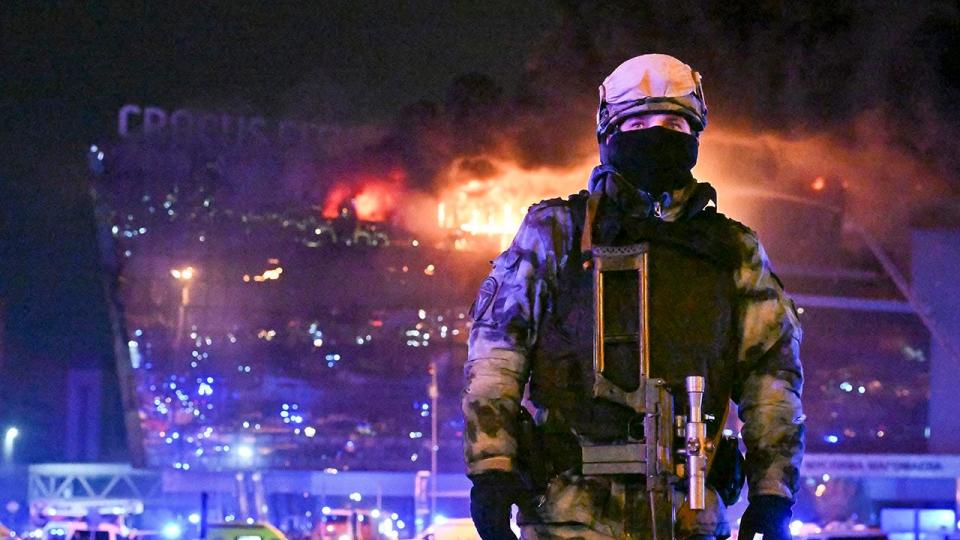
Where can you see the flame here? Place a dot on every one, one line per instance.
(371, 198)
(336, 199)
(749, 169)
(375, 201)
(495, 205)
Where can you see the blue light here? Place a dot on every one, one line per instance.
(172, 530)
(937, 519)
(832, 439)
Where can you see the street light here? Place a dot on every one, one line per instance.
(8, 438)
(183, 275)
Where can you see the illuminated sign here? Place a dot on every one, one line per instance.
(217, 128)
(882, 465)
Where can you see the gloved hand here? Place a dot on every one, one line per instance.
(490, 499)
(768, 515)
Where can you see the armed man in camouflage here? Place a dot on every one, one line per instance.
(716, 310)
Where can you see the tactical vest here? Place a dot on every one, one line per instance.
(693, 323)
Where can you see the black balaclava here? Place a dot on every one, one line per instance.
(656, 160)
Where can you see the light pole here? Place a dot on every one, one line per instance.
(8, 439)
(434, 393)
(184, 276)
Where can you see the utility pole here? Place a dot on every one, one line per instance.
(434, 393)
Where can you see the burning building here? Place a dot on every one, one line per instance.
(360, 279)
(282, 304)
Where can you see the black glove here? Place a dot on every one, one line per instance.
(768, 515)
(490, 499)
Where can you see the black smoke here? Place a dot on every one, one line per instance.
(875, 85)
(792, 68)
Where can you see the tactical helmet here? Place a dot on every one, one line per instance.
(651, 83)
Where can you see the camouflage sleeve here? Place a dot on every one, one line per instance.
(506, 317)
(770, 379)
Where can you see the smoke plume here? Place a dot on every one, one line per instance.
(862, 94)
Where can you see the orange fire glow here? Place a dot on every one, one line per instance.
(749, 169)
(336, 198)
(495, 206)
(372, 199)
(375, 201)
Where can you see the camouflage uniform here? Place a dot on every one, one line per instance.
(508, 314)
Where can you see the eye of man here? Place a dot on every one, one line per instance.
(637, 122)
(643, 122)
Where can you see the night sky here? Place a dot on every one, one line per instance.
(66, 71)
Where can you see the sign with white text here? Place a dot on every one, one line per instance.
(218, 128)
(882, 465)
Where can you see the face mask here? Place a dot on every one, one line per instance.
(656, 160)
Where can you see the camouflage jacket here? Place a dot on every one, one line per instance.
(514, 299)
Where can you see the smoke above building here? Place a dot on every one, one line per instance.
(843, 101)
(859, 96)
